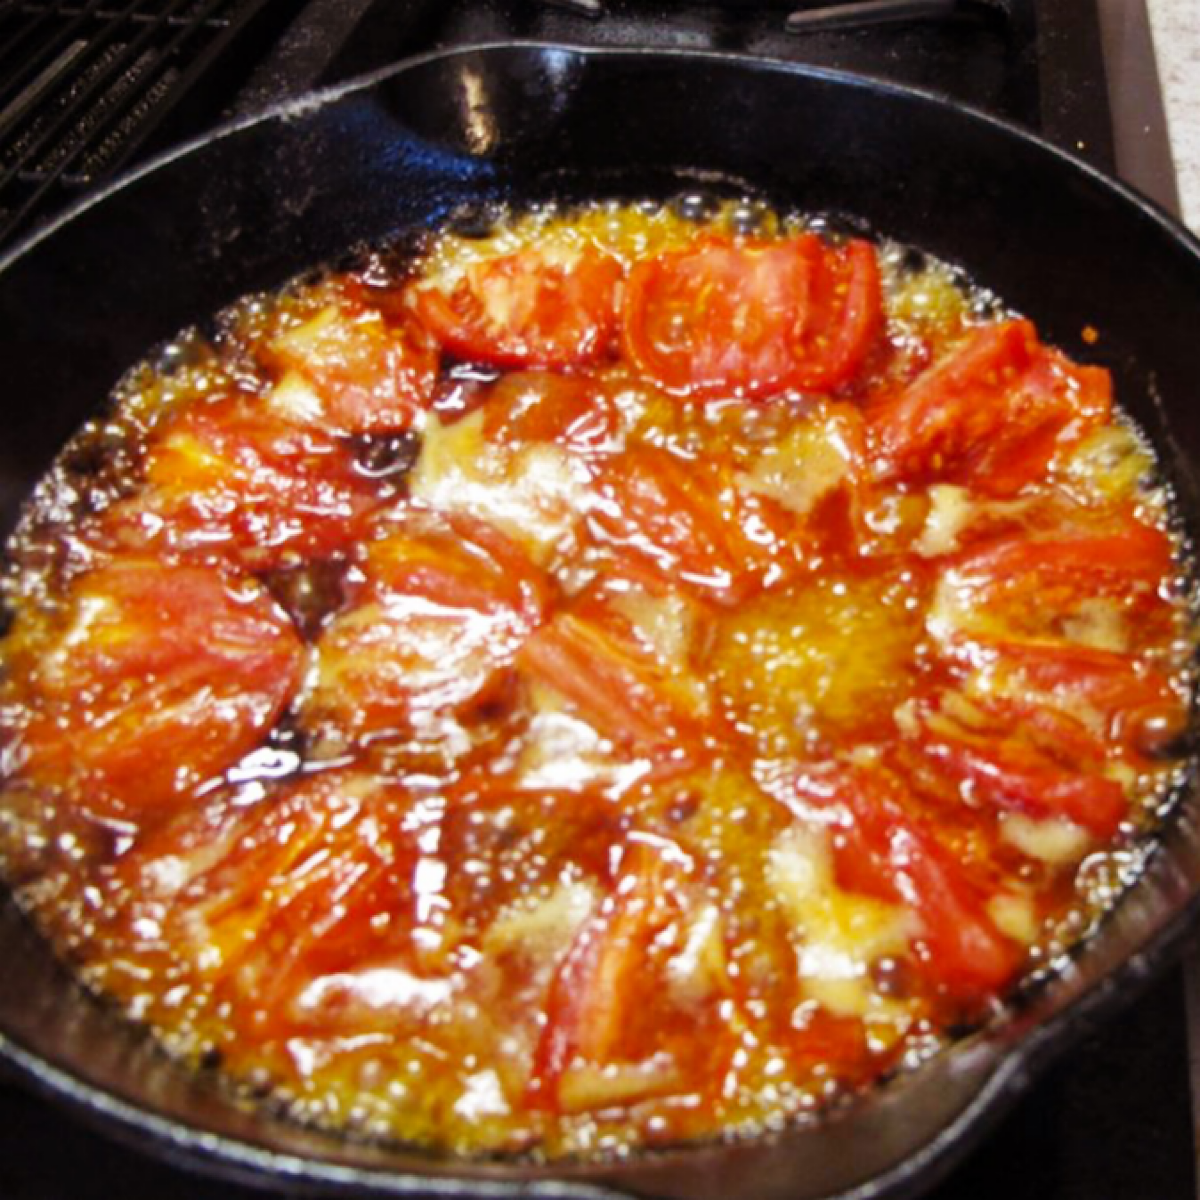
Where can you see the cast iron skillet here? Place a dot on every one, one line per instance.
(255, 204)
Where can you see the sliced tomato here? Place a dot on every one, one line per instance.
(435, 625)
(688, 524)
(750, 318)
(229, 481)
(605, 979)
(526, 309)
(1134, 702)
(883, 850)
(158, 680)
(1008, 770)
(296, 912)
(1113, 561)
(615, 683)
(992, 414)
(362, 374)
(541, 406)
(1031, 588)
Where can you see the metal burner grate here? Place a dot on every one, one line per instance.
(86, 85)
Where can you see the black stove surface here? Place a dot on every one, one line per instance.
(1037, 62)
(1111, 1122)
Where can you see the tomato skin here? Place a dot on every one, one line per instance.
(526, 310)
(752, 319)
(603, 976)
(276, 906)
(1124, 557)
(687, 523)
(432, 630)
(883, 850)
(542, 406)
(230, 482)
(1016, 776)
(370, 375)
(615, 684)
(1140, 709)
(160, 679)
(991, 415)
(1027, 589)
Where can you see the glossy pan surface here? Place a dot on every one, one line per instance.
(255, 204)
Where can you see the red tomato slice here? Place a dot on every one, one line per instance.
(689, 525)
(527, 309)
(992, 415)
(1006, 770)
(753, 318)
(1124, 557)
(159, 680)
(1140, 708)
(369, 375)
(435, 626)
(286, 906)
(602, 980)
(614, 683)
(885, 851)
(539, 406)
(1028, 588)
(228, 481)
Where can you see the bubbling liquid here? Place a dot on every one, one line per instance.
(621, 676)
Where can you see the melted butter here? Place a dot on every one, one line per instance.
(536, 496)
(834, 655)
(840, 935)
(803, 468)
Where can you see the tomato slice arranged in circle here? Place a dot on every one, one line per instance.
(992, 414)
(753, 318)
(160, 678)
(526, 309)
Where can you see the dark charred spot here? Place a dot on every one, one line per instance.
(309, 594)
(913, 261)
(386, 456)
(957, 1030)
(683, 807)
(288, 738)
(463, 387)
(385, 268)
(1161, 733)
(211, 1059)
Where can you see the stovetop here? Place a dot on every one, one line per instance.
(1113, 1121)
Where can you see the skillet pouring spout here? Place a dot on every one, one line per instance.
(1100, 271)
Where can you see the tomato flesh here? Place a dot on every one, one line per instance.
(438, 621)
(753, 318)
(992, 415)
(230, 482)
(526, 309)
(689, 522)
(368, 376)
(161, 678)
(882, 850)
